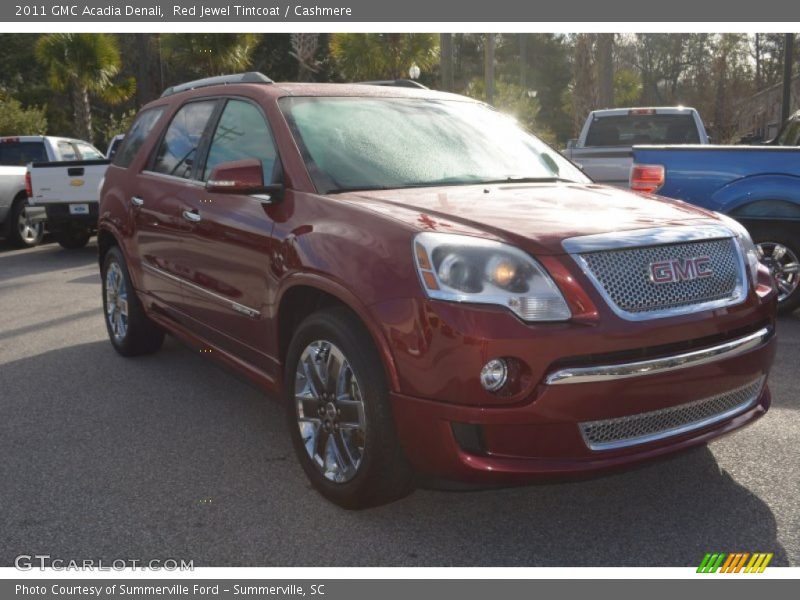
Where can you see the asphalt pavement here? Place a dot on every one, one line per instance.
(171, 456)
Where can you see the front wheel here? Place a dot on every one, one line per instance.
(780, 254)
(130, 330)
(337, 403)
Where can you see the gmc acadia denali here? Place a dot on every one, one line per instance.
(435, 293)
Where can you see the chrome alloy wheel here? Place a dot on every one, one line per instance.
(116, 302)
(330, 411)
(29, 231)
(783, 264)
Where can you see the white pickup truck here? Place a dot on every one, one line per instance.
(21, 223)
(69, 192)
(604, 148)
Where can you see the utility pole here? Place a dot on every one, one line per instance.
(788, 52)
(490, 68)
(446, 57)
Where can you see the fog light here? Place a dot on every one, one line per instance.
(494, 374)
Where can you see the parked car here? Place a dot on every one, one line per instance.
(432, 292)
(114, 145)
(21, 223)
(69, 191)
(759, 186)
(603, 149)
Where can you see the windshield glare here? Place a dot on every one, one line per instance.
(360, 143)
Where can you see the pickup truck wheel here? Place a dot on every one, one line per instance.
(780, 254)
(73, 239)
(23, 233)
(337, 402)
(130, 330)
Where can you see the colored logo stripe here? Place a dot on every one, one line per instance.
(735, 562)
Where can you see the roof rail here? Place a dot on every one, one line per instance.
(249, 77)
(409, 83)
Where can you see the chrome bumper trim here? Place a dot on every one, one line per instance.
(694, 358)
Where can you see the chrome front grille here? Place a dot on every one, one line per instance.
(623, 275)
(646, 427)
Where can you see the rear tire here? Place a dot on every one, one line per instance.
(73, 238)
(780, 252)
(339, 414)
(22, 233)
(130, 330)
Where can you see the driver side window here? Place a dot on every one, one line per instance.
(178, 150)
(242, 133)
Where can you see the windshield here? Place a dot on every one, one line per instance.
(629, 130)
(362, 143)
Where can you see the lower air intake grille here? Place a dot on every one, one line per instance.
(650, 426)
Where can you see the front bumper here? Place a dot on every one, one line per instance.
(547, 436)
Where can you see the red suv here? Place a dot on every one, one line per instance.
(434, 292)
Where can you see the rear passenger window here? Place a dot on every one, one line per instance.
(134, 139)
(241, 133)
(178, 150)
(67, 151)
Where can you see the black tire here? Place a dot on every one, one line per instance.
(73, 238)
(18, 236)
(766, 242)
(141, 336)
(383, 474)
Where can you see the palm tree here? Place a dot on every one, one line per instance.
(208, 54)
(360, 56)
(84, 64)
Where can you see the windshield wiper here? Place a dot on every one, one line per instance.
(514, 179)
(345, 190)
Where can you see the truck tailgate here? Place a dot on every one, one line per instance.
(66, 182)
(605, 165)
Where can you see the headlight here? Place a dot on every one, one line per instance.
(462, 268)
(746, 244)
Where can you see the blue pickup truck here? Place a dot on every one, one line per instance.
(759, 186)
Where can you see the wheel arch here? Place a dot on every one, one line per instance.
(305, 294)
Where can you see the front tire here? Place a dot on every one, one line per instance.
(337, 404)
(130, 330)
(781, 254)
(23, 233)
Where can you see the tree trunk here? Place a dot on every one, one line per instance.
(489, 69)
(446, 57)
(605, 70)
(583, 94)
(523, 61)
(144, 87)
(82, 111)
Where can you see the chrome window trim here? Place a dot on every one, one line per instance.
(241, 308)
(665, 364)
(658, 236)
(681, 429)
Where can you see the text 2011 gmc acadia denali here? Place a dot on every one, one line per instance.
(435, 293)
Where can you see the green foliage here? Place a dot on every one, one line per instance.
(197, 55)
(365, 56)
(627, 87)
(89, 60)
(117, 125)
(16, 120)
(515, 102)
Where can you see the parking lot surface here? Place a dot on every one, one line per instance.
(170, 456)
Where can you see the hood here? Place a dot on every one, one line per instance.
(533, 216)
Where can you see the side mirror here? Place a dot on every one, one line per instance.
(571, 144)
(242, 177)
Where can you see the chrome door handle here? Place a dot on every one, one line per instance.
(192, 215)
(137, 201)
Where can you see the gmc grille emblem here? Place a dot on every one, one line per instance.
(680, 269)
